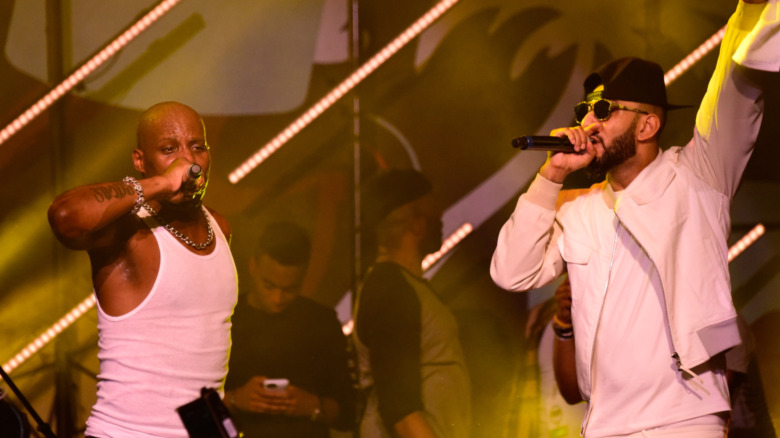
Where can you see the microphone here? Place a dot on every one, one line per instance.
(543, 143)
(194, 171)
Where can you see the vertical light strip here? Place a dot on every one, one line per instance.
(86, 68)
(447, 245)
(694, 57)
(746, 240)
(340, 90)
(50, 334)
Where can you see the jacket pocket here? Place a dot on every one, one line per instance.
(575, 252)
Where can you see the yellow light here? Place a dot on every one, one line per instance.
(348, 327)
(50, 334)
(746, 240)
(694, 57)
(85, 69)
(447, 245)
(340, 90)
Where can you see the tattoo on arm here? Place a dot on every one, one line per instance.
(110, 191)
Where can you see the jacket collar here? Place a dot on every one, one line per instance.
(647, 187)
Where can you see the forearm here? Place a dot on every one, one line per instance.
(525, 256)
(554, 174)
(740, 25)
(329, 411)
(414, 426)
(731, 112)
(565, 369)
(79, 216)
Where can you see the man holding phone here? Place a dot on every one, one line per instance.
(288, 374)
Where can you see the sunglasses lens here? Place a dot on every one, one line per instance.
(580, 111)
(601, 109)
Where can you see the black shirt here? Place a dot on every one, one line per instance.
(388, 323)
(303, 344)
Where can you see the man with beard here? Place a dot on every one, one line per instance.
(646, 250)
(411, 362)
(163, 274)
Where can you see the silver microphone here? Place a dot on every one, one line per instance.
(194, 171)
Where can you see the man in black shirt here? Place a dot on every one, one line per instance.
(278, 334)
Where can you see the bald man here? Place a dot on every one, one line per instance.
(163, 275)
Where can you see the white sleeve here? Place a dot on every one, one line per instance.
(731, 111)
(526, 256)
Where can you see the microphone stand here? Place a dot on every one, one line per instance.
(42, 426)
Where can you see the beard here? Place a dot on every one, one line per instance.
(621, 149)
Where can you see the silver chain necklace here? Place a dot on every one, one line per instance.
(179, 235)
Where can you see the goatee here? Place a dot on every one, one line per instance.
(621, 149)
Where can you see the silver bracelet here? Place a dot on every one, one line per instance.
(139, 200)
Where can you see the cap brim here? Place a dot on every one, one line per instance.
(669, 107)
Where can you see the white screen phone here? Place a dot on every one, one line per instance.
(276, 384)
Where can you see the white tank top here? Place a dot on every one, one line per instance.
(158, 356)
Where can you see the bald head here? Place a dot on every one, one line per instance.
(168, 132)
(157, 117)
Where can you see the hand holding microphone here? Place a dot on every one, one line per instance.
(564, 157)
(582, 136)
(190, 185)
(194, 171)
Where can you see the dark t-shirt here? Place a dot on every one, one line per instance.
(389, 325)
(303, 344)
(409, 355)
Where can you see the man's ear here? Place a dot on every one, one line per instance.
(138, 161)
(648, 127)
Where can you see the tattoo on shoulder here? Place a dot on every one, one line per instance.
(106, 192)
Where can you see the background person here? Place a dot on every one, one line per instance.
(277, 333)
(411, 361)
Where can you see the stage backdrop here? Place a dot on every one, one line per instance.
(447, 104)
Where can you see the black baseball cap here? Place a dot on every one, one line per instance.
(389, 190)
(632, 79)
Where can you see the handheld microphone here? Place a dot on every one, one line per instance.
(543, 143)
(194, 171)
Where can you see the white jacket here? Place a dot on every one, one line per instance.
(677, 208)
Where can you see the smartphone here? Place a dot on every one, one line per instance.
(275, 385)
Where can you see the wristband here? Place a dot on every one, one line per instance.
(563, 332)
(139, 191)
(557, 321)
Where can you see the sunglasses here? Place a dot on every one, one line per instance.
(601, 108)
